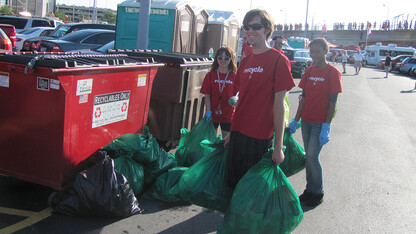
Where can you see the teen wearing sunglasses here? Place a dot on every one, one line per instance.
(263, 78)
(218, 87)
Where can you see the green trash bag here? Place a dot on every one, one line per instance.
(140, 147)
(295, 157)
(133, 172)
(164, 162)
(205, 183)
(163, 184)
(263, 202)
(189, 149)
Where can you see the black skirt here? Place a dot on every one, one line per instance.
(243, 153)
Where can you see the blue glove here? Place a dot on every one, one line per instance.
(208, 115)
(292, 126)
(324, 135)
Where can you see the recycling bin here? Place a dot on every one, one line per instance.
(176, 101)
(59, 109)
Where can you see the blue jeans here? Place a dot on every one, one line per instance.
(310, 135)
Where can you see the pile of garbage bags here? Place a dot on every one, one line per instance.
(134, 166)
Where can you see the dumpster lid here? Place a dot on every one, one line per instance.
(73, 60)
(169, 57)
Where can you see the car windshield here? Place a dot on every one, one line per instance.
(105, 47)
(28, 31)
(60, 31)
(75, 36)
(290, 54)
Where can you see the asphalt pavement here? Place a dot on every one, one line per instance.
(369, 171)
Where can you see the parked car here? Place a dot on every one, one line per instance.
(21, 23)
(34, 43)
(31, 33)
(10, 32)
(338, 54)
(300, 59)
(394, 62)
(407, 65)
(100, 50)
(5, 43)
(84, 39)
(413, 71)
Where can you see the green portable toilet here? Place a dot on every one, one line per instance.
(170, 25)
(223, 30)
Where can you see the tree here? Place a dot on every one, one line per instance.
(109, 17)
(5, 10)
(60, 15)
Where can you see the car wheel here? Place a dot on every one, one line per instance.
(302, 71)
(364, 63)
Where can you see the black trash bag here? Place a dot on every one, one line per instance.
(163, 184)
(99, 191)
(164, 162)
(140, 147)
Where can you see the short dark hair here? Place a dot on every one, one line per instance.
(320, 42)
(266, 20)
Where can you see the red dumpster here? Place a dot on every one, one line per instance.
(59, 109)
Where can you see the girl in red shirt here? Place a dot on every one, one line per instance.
(320, 85)
(218, 87)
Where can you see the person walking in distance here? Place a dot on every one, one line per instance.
(263, 78)
(320, 85)
(278, 42)
(344, 60)
(218, 87)
(387, 65)
(358, 59)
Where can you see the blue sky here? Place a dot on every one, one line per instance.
(294, 11)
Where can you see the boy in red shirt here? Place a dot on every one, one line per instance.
(263, 79)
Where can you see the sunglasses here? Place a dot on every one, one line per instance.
(255, 27)
(226, 58)
(278, 43)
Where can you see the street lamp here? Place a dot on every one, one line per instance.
(388, 9)
(285, 14)
(306, 20)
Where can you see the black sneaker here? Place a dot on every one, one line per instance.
(315, 200)
(306, 196)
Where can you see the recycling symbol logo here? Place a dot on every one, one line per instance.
(97, 112)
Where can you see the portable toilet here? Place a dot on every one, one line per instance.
(199, 31)
(170, 25)
(222, 31)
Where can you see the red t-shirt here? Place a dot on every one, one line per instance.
(214, 85)
(318, 85)
(246, 50)
(254, 113)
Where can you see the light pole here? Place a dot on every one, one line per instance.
(388, 9)
(306, 20)
(285, 14)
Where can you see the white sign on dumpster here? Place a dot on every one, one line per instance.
(110, 108)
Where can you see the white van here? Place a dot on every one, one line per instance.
(377, 52)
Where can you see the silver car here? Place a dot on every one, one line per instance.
(407, 65)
